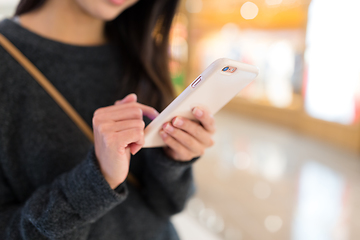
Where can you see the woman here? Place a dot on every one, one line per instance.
(54, 183)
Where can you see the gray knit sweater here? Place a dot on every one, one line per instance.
(50, 183)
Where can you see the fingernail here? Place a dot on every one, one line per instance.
(169, 128)
(197, 112)
(178, 122)
(163, 134)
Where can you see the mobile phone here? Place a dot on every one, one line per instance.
(213, 89)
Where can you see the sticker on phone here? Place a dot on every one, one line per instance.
(196, 82)
(229, 69)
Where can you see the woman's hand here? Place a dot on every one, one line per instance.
(187, 139)
(119, 131)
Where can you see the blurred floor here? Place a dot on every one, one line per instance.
(261, 181)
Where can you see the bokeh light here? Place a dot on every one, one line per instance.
(273, 223)
(194, 6)
(242, 160)
(249, 10)
(273, 2)
(262, 190)
(233, 234)
(333, 61)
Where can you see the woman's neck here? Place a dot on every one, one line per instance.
(65, 21)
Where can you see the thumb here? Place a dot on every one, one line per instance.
(129, 98)
(134, 148)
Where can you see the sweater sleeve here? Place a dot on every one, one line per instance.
(63, 209)
(166, 184)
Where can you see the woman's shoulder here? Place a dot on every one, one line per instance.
(12, 76)
(6, 60)
(3, 24)
(10, 69)
(8, 27)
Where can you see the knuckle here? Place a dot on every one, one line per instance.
(137, 112)
(141, 124)
(139, 132)
(98, 111)
(212, 142)
(95, 120)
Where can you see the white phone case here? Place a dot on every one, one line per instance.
(213, 89)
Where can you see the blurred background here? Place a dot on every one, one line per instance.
(286, 163)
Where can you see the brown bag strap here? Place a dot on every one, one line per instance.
(53, 92)
(49, 88)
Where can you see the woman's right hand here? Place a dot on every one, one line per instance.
(119, 131)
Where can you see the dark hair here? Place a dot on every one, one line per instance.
(142, 34)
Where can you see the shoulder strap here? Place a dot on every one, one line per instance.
(49, 88)
(53, 92)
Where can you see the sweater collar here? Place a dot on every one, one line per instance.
(23, 38)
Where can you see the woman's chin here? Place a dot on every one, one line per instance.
(106, 14)
(108, 17)
(106, 10)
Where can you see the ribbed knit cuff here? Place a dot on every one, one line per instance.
(166, 166)
(88, 192)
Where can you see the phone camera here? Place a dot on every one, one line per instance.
(225, 69)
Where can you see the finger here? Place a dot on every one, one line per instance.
(147, 110)
(121, 126)
(132, 97)
(111, 117)
(105, 120)
(126, 137)
(205, 118)
(134, 148)
(180, 152)
(194, 129)
(128, 124)
(185, 139)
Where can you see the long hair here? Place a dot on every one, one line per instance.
(142, 34)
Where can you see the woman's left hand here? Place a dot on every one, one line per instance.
(186, 139)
